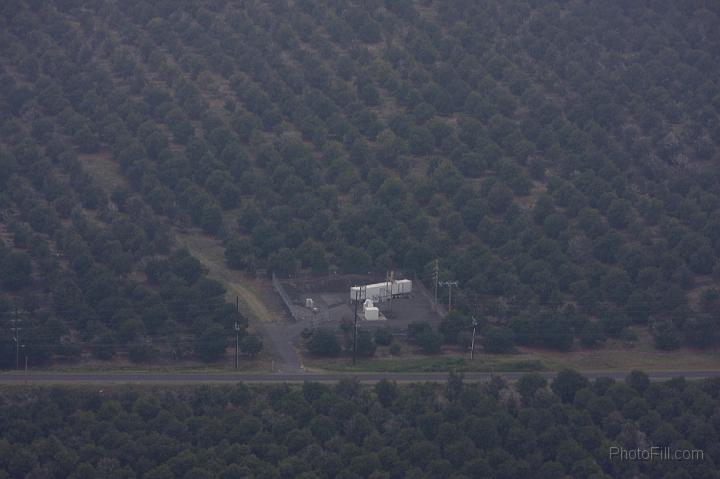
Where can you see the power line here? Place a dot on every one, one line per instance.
(436, 277)
(450, 285)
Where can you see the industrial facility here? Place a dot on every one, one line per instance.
(323, 301)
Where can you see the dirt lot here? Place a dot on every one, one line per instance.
(331, 298)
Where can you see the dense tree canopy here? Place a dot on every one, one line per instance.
(541, 170)
(458, 429)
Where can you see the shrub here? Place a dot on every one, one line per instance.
(430, 342)
(498, 340)
(383, 336)
(323, 342)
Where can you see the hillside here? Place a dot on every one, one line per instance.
(559, 159)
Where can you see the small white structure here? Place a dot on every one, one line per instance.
(401, 287)
(309, 303)
(371, 312)
(380, 292)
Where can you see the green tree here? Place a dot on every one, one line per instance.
(211, 344)
(452, 324)
(211, 218)
(619, 214)
(430, 342)
(365, 344)
(383, 336)
(16, 270)
(499, 198)
(498, 340)
(355, 260)
(529, 384)
(323, 342)
(638, 380)
(567, 383)
(591, 334)
(387, 392)
(251, 345)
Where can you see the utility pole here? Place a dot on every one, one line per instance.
(16, 338)
(391, 281)
(357, 300)
(237, 333)
(237, 344)
(436, 277)
(472, 344)
(450, 285)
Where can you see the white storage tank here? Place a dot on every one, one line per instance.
(370, 312)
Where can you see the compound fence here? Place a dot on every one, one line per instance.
(285, 298)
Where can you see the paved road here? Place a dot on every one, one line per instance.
(89, 378)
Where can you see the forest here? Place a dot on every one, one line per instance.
(558, 158)
(456, 430)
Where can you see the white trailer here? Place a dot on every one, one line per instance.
(401, 287)
(379, 292)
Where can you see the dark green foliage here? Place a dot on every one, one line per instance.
(312, 430)
(239, 253)
(387, 392)
(452, 324)
(591, 335)
(186, 267)
(497, 339)
(430, 342)
(355, 260)
(15, 270)
(323, 342)
(638, 380)
(383, 336)
(415, 330)
(567, 383)
(251, 345)
(666, 336)
(529, 384)
(425, 337)
(141, 351)
(211, 219)
(212, 343)
(370, 136)
(365, 343)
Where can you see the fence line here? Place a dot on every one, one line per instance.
(286, 299)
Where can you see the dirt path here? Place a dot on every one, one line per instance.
(210, 254)
(277, 334)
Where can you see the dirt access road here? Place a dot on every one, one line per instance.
(278, 334)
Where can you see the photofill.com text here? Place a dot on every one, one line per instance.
(663, 453)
